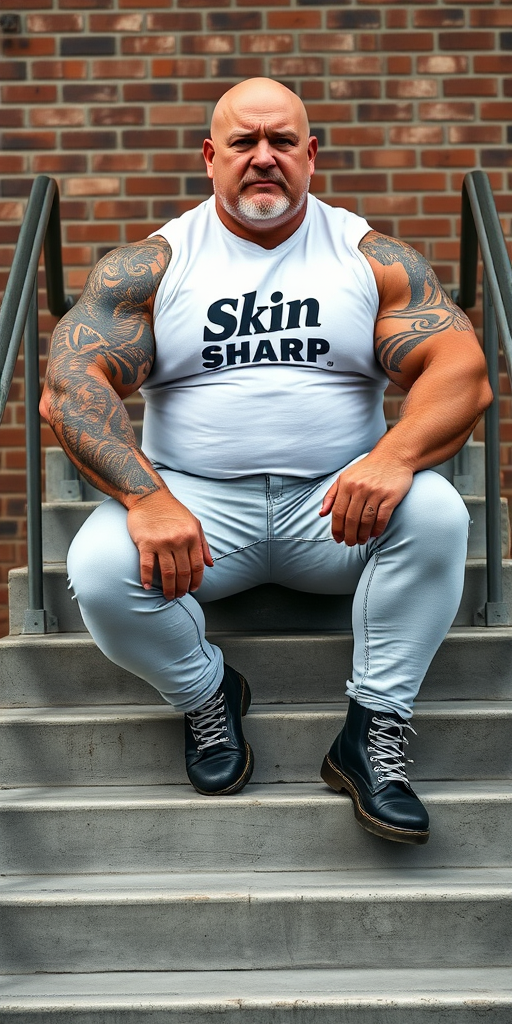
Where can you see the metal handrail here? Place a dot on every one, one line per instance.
(481, 228)
(19, 319)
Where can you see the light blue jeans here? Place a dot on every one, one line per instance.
(407, 584)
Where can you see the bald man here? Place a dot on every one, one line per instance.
(262, 328)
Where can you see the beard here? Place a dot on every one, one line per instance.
(263, 206)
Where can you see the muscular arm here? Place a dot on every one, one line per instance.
(427, 346)
(101, 352)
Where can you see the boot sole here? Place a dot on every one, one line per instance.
(339, 782)
(249, 756)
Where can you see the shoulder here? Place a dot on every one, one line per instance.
(130, 274)
(396, 265)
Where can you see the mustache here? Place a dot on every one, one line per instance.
(271, 177)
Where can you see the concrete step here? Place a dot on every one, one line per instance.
(268, 607)
(68, 669)
(62, 521)
(292, 827)
(402, 996)
(256, 920)
(102, 746)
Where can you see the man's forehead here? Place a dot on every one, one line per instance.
(258, 125)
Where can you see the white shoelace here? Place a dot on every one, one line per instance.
(387, 747)
(208, 723)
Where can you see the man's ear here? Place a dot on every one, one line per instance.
(208, 153)
(312, 151)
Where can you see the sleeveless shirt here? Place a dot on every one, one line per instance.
(264, 357)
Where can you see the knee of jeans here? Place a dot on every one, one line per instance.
(438, 510)
(100, 566)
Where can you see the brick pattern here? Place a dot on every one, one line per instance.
(113, 99)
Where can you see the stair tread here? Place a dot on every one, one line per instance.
(69, 714)
(215, 989)
(357, 884)
(75, 797)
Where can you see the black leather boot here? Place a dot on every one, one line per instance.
(367, 759)
(217, 757)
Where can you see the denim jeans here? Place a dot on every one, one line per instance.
(407, 583)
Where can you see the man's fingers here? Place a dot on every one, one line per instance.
(329, 499)
(168, 574)
(147, 567)
(208, 560)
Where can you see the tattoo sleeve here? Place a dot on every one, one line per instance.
(429, 311)
(101, 352)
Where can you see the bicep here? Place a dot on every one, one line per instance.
(417, 320)
(108, 333)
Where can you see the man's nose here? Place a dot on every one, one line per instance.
(263, 155)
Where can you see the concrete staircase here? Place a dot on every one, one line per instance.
(127, 898)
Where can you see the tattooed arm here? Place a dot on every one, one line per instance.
(101, 352)
(427, 346)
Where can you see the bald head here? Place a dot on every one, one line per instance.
(257, 98)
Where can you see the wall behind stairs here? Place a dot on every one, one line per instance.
(113, 99)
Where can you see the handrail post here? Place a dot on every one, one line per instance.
(36, 618)
(495, 612)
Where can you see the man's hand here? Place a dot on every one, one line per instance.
(169, 539)
(363, 498)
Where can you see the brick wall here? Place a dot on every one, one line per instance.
(113, 99)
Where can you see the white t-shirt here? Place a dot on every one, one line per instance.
(264, 358)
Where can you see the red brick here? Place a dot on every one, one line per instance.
(419, 182)
(360, 182)
(169, 208)
(390, 204)
(150, 92)
(322, 41)
(93, 232)
(496, 111)
(22, 46)
(424, 227)
(399, 65)
(355, 88)
(356, 136)
(495, 180)
(496, 157)
(174, 22)
(151, 186)
(116, 22)
(150, 138)
(57, 117)
(114, 162)
(178, 161)
(466, 40)
(207, 44)
(176, 114)
(409, 41)
(116, 114)
(29, 140)
(90, 186)
(447, 111)
(88, 140)
(59, 69)
(384, 111)
(312, 90)
(507, 86)
(233, 21)
(113, 209)
(13, 117)
(397, 19)
(355, 65)
(388, 158)
(182, 68)
(497, 64)
(439, 18)
(485, 18)
(73, 209)
(118, 68)
(59, 163)
(470, 86)
(439, 64)
(13, 70)
(75, 279)
(11, 211)
(369, 41)
(329, 111)
(449, 158)
(261, 43)
(77, 255)
(283, 66)
(460, 134)
(148, 44)
(136, 232)
(334, 159)
(294, 19)
(12, 164)
(55, 23)
(29, 94)
(411, 88)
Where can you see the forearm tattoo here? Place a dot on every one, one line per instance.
(429, 310)
(101, 350)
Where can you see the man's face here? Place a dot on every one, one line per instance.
(261, 159)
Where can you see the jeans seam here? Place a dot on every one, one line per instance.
(243, 547)
(365, 623)
(189, 613)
